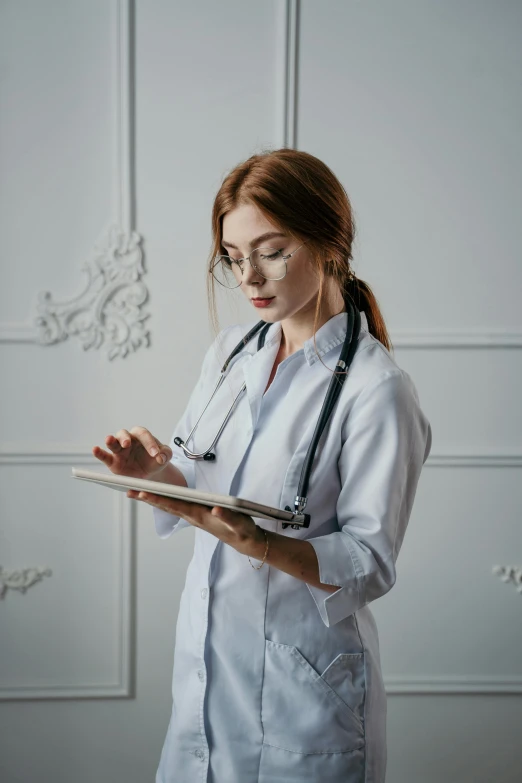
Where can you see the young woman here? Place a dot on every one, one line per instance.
(277, 674)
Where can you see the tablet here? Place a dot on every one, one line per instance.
(124, 483)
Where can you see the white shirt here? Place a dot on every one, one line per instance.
(274, 679)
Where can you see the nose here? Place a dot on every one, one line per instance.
(250, 274)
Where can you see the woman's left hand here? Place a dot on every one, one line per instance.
(232, 527)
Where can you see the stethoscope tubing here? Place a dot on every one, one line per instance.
(206, 455)
(334, 389)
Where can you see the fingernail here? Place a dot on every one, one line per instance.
(163, 458)
(153, 451)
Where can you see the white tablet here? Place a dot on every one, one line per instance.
(124, 483)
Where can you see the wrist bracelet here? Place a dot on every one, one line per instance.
(264, 557)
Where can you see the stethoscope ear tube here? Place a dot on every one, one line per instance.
(264, 326)
(343, 363)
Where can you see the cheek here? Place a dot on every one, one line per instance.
(301, 282)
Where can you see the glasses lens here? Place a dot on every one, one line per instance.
(226, 272)
(268, 262)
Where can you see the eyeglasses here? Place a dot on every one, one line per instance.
(268, 262)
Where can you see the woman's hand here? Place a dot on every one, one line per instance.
(232, 527)
(135, 453)
(294, 556)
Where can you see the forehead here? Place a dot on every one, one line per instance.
(244, 224)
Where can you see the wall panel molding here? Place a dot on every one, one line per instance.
(287, 91)
(109, 310)
(396, 685)
(461, 339)
(408, 339)
(475, 460)
(47, 455)
(124, 597)
(287, 42)
(455, 684)
(53, 454)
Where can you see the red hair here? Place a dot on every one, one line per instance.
(302, 197)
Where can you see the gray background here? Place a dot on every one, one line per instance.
(415, 105)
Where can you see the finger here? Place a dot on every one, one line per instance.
(124, 438)
(165, 448)
(175, 506)
(102, 455)
(165, 453)
(167, 504)
(113, 444)
(152, 445)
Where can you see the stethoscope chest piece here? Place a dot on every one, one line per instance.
(208, 456)
(299, 525)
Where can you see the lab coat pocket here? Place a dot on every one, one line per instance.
(306, 712)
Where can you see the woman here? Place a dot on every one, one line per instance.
(277, 672)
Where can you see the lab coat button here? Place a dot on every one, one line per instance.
(199, 754)
(201, 675)
(204, 592)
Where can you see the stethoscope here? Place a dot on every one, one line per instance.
(334, 389)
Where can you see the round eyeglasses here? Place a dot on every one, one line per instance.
(268, 262)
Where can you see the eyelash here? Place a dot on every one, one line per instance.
(280, 250)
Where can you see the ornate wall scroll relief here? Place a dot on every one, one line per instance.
(510, 574)
(22, 579)
(109, 311)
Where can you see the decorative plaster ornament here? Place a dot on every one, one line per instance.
(109, 309)
(21, 580)
(510, 574)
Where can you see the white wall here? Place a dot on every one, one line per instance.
(111, 114)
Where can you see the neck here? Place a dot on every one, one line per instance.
(300, 327)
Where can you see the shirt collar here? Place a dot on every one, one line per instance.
(328, 336)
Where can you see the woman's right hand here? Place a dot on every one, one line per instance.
(135, 453)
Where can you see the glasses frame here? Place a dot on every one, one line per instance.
(239, 261)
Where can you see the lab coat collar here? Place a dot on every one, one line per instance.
(328, 336)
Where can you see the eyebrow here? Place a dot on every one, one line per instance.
(254, 243)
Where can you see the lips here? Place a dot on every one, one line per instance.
(262, 302)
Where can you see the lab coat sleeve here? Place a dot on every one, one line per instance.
(387, 439)
(166, 523)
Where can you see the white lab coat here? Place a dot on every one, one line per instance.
(274, 680)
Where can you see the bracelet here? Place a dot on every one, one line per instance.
(264, 557)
